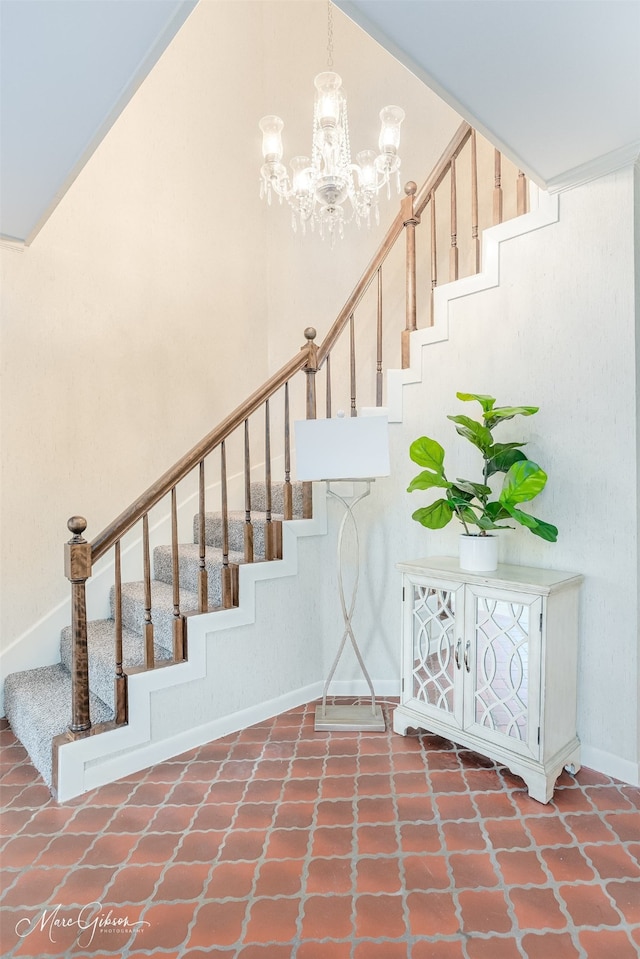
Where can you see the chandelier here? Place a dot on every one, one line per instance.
(327, 188)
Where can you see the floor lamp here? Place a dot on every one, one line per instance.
(354, 450)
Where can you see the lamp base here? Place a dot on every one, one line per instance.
(350, 718)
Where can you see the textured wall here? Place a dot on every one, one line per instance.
(559, 332)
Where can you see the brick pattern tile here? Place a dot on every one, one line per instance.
(282, 843)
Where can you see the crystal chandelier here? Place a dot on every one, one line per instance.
(328, 188)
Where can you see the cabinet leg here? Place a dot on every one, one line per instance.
(401, 724)
(572, 763)
(540, 787)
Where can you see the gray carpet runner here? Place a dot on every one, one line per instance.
(38, 701)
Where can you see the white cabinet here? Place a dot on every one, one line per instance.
(489, 661)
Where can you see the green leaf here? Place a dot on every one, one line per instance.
(508, 412)
(496, 511)
(473, 431)
(427, 452)
(501, 447)
(427, 480)
(544, 530)
(459, 501)
(503, 461)
(484, 522)
(475, 489)
(435, 516)
(523, 481)
(486, 402)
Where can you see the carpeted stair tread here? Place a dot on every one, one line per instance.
(161, 609)
(38, 701)
(189, 563)
(101, 644)
(259, 498)
(237, 522)
(38, 707)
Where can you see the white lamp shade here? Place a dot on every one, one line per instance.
(342, 448)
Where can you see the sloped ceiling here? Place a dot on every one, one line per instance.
(554, 83)
(67, 70)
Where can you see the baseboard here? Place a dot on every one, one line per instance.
(610, 765)
(358, 689)
(158, 752)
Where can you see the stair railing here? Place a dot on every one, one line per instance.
(81, 556)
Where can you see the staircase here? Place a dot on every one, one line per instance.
(38, 701)
(164, 627)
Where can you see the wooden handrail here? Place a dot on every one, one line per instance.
(107, 538)
(80, 555)
(420, 201)
(441, 168)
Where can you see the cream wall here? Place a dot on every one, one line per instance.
(559, 332)
(155, 300)
(119, 322)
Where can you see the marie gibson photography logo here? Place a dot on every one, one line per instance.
(88, 921)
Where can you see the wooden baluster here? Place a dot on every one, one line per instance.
(229, 571)
(310, 371)
(379, 374)
(203, 578)
(352, 364)
(288, 490)
(434, 258)
(328, 387)
(453, 255)
(77, 569)
(248, 525)
(148, 624)
(272, 528)
(267, 482)
(497, 190)
(521, 190)
(410, 219)
(120, 683)
(178, 621)
(475, 239)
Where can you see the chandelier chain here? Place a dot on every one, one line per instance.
(329, 34)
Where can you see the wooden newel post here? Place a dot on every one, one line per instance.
(77, 568)
(310, 369)
(410, 219)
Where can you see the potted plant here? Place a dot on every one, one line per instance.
(475, 504)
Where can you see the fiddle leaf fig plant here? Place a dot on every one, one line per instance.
(474, 503)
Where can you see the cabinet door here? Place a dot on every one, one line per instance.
(502, 667)
(432, 632)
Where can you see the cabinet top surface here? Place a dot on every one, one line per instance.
(509, 576)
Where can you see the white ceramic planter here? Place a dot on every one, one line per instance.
(478, 554)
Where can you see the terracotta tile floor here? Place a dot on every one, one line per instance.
(281, 843)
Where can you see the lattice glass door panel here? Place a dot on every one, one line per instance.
(503, 632)
(433, 667)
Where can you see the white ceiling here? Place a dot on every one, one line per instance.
(67, 70)
(554, 83)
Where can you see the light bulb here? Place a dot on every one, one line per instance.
(390, 120)
(271, 128)
(328, 98)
